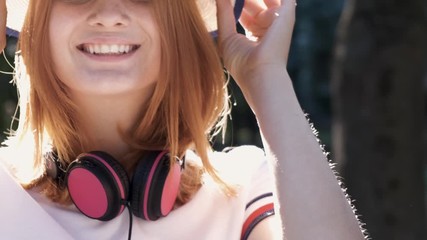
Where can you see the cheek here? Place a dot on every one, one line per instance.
(60, 32)
(154, 67)
(61, 24)
(156, 53)
(57, 40)
(61, 62)
(156, 59)
(56, 44)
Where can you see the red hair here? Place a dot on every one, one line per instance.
(189, 102)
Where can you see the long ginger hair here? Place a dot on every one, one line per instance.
(188, 105)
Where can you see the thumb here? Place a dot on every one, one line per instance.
(279, 36)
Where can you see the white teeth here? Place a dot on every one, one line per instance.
(121, 48)
(97, 49)
(107, 49)
(114, 48)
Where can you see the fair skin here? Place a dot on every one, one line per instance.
(108, 54)
(313, 205)
(3, 16)
(101, 98)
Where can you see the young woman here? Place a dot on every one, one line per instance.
(118, 101)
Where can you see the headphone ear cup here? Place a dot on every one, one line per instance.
(98, 185)
(155, 186)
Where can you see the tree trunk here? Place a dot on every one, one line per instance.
(378, 104)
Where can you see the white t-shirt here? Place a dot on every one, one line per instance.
(209, 215)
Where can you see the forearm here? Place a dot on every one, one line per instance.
(313, 206)
(3, 17)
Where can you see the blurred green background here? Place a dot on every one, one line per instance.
(360, 72)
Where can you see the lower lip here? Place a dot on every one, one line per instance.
(109, 58)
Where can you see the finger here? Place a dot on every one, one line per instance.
(225, 18)
(259, 24)
(267, 17)
(272, 3)
(279, 36)
(254, 7)
(252, 29)
(257, 14)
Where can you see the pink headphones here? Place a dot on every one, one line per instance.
(101, 189)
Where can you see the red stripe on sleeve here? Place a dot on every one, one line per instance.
(255, 217)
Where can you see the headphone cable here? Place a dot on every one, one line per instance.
(130, 220)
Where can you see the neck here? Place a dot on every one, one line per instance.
(105, 118)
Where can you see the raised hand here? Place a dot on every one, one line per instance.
(307, 187)
(269, 23)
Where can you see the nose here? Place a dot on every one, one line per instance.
(108, 13)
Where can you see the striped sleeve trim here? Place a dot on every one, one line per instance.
(257, 202)
(266, 195)
(256, 217)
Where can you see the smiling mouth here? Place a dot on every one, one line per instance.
(108, 49)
